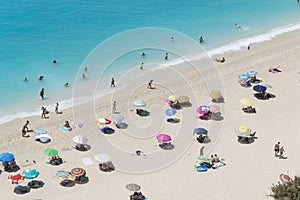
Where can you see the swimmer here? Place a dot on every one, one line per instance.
(166, 56)
(25, 79)
(83, 76)
(201, 39)
(54, 61)
(85, 69)
(143, 54)
(142, 66)
(237, 25)
(172, 38)
(66, 84)
(42, 92)
(41, 78)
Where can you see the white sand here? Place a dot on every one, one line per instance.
(250, 170)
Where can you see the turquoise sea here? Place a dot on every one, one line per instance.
(33, 33)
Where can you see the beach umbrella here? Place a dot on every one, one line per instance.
(15, 178)
(51, 152)
(284, 178)
(184, 99)
(215, 94)
(62, 173)
(243, 130)
(30, 173)
(6, 157)
(202, 110)
(35, 184)
(243, 76)
(246, 102)
(133, 187)
(39, 131)
(259, 88)
(200, 131)
(117, 117)
(163, 138)
(103, 121)
(170, 112)
(252, 73)
(173, 98)
(104, 158)
(77, 172)
(80, 139)
(214, 108)
(206, 104)
(139, 103)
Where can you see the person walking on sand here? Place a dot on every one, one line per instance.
(114, 107)
(112, 83)
(150, 84)
(276, 149)
(42, 92)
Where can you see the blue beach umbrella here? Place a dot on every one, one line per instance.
(252, 73)
(243, 76)
(170, 112)
(6, 157)
(139, 103)
(259, 88)
(200, 131)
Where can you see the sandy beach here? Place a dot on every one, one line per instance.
(250, 169)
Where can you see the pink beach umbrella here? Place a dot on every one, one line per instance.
(202, 110)
(163, 138)
(214, 108)
(15, 178)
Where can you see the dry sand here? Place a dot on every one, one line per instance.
(250, 169)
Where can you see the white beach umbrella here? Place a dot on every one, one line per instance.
(80, 139)
(103, 158)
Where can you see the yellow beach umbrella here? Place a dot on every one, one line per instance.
(173, 98)
(243, 130)
(215, 94)
(246, 102)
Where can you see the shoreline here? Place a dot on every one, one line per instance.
(235, 46)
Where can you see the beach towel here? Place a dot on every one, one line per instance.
(65, 129)
(67, 148)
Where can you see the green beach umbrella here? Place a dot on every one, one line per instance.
(50, 152)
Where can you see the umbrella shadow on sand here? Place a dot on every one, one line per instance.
(262, 96)
(186, 104)
(246, 140)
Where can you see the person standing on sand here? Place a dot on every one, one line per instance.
(42, 92)
(112, 83)
(56, 107)
(114, 107)
(150, 84)
(276, 149)
(201, 151)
